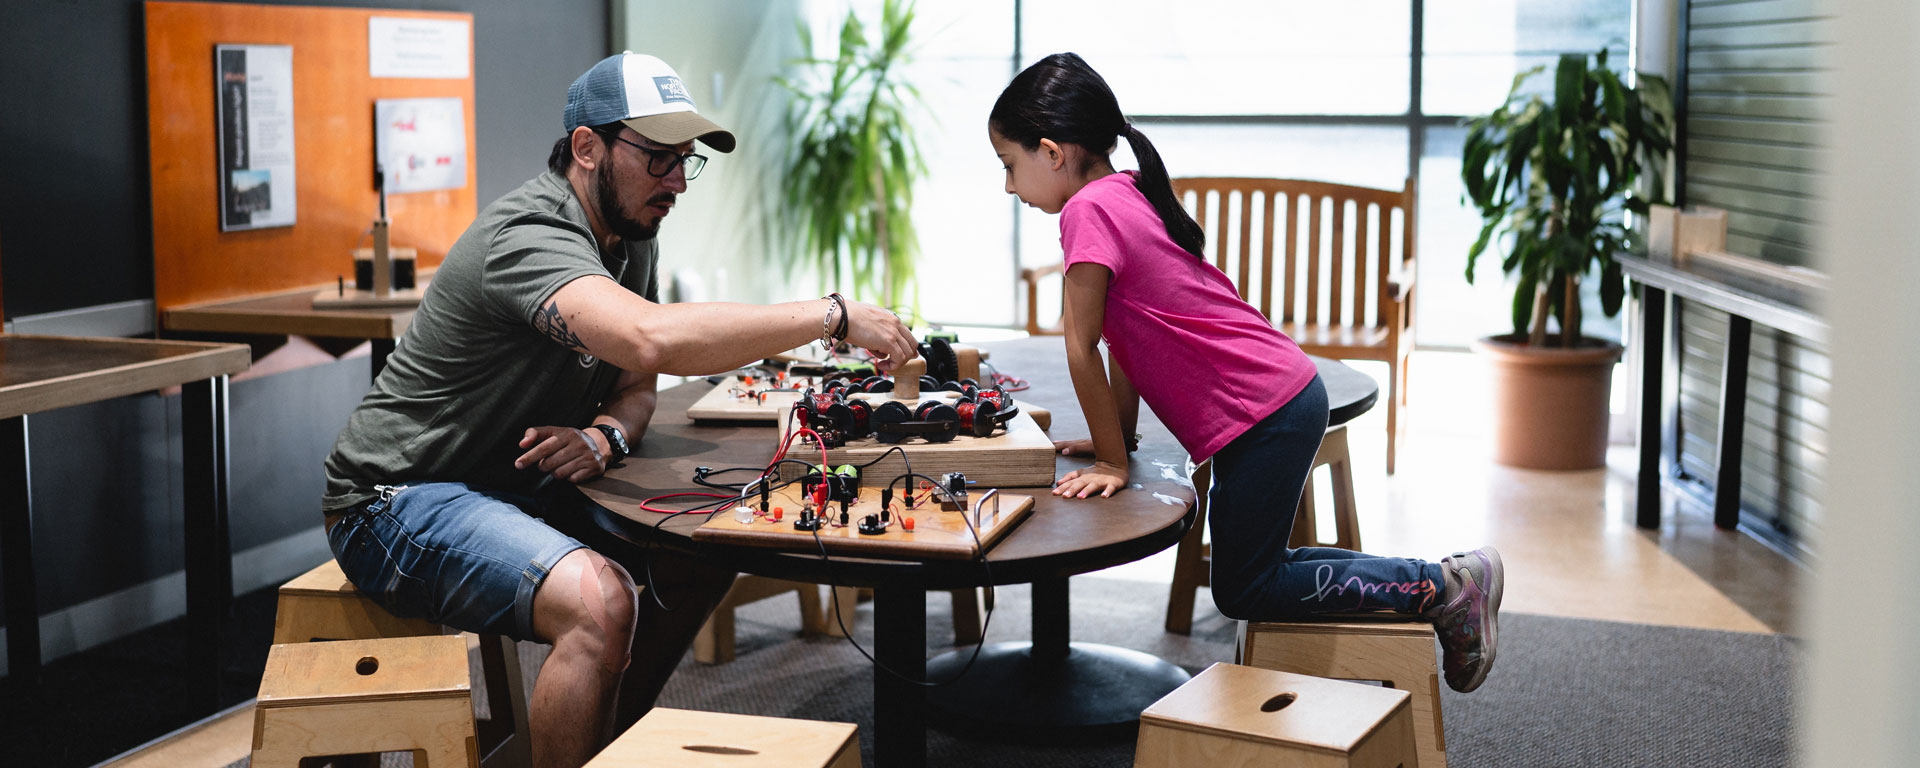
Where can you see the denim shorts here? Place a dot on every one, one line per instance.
(470, 559)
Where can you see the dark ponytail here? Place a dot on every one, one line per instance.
(1158, 188)
(1063, 99)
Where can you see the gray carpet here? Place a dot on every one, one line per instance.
(1566, 692)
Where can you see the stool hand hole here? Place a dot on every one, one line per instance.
(1278, 703)
(367, 665)
(713, 749)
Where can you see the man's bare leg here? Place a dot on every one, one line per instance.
(585, 607)
(691, 588)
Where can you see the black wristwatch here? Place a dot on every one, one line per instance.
(616, 440)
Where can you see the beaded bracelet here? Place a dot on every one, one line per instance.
(840, 334)
(826, 326)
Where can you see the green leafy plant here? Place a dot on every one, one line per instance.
(1552, 182)
(853, 161)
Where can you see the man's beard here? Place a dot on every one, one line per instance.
(613, 214)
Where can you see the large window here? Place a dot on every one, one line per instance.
(1285, 88)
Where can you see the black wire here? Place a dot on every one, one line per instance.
(985, 623)
(700, 478)
(647, 563)
(833, 580)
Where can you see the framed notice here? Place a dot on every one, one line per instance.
(254, 85)
(421, 143)
(413, 47)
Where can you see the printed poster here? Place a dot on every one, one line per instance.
(421, 143)
(255, 115)
(423, 48)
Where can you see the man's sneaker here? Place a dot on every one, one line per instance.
(1468, 624)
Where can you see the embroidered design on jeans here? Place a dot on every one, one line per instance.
(1325, 587)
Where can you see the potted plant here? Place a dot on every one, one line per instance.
(853, 162)
(1553, 181)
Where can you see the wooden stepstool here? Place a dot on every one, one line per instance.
(1398, 653)
(1241, 716)
(401, 694)
(1193, 561)
(322, 605)
(688, 739)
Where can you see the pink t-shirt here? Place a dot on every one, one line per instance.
(1207, 362)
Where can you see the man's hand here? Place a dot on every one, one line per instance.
(1101, 478)
(881, 333)
(1074, 447)
(568, 454)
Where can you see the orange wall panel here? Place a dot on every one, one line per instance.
(333, 101)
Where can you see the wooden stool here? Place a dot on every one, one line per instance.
(1240, 716)
(714, 644)
(1193, 561)
(321, 605)
(689, 739)
(403, 694)
(1398, 653)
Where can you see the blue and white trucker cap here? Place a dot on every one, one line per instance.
(643, 92)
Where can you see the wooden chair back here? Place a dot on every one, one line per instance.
(1306, 252)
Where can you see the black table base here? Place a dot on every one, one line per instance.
(1050, 684)
(1019, 687)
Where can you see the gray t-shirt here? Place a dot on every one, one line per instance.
(471, 374)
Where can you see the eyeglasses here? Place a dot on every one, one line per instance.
(660, 162)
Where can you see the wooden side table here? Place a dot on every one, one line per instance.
(291, 313)
(43, 373)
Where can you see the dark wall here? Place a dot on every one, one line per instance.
(73, 130)
(75, 231)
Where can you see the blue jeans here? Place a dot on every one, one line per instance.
(1257, 480)
(470, 559)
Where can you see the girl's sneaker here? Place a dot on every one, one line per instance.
(1468, 622)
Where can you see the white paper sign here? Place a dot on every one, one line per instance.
(254, 84)
(427, 48)
(422, 143)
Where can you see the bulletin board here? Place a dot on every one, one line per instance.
(334, 96)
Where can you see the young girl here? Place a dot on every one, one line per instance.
(1226, 383)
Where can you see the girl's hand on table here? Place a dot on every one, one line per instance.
(1101, 478)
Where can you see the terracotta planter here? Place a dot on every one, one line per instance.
(1550, 405)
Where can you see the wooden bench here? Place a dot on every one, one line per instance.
(1368, 313)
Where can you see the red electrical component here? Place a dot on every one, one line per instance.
(778, 512)
(906, 523)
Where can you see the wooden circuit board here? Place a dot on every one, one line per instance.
(1019, 456)
(727, 402)
(938, 534)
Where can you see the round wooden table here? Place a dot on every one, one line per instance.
(1048, 682)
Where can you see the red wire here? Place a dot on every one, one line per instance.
(1010, 383)
(648, 504)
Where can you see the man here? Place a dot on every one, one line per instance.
(532, 360)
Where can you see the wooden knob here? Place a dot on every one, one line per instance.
(906, 380)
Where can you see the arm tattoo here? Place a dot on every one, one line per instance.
(549, 323)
